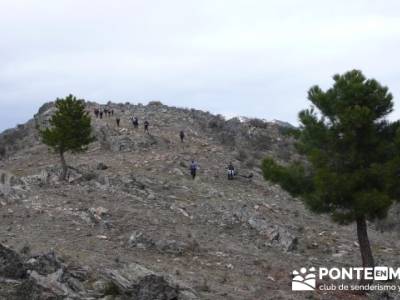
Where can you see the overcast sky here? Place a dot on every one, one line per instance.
(234, 57)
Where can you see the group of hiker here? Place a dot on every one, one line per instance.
(135, 123)
(194, 167)
(109, 112)
(106, 112)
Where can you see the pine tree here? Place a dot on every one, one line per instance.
(352, 164)
(70, 129)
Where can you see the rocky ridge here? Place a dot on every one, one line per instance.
(131, 223)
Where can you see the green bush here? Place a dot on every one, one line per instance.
(292, 178)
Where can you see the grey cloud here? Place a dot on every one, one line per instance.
(252, 57)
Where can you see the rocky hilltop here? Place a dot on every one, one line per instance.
(130, 223)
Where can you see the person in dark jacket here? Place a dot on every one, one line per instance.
(182, 135)
(231, 171)
(146, 126)
(193, 169)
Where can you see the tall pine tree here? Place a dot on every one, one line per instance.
(352, 156)
(70, 129)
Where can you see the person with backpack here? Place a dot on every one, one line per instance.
(231, 171)
(182, 135)
(193, 169)
(135, 122)
(118, 120)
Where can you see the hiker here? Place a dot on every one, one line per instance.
(146, 126)
(231, 171)
(182, 135)
(101, 114)
(96, 112)
(112, 112)
(193, 169)
(109, 113)
(135, 122)
(118, 120)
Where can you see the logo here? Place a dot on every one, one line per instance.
(303, 280)
(379, 279)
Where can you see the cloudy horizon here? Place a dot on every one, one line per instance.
(236, 58)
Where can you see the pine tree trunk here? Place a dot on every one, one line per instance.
(64, 166)
(365, 247)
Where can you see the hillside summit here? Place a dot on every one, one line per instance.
(130, 223)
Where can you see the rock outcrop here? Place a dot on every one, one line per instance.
(46, 277)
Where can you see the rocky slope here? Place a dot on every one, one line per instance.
(132, 224)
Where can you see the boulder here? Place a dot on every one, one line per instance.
(140, 240)
(52, 282)
(155, 287)
(142, 284)
(97, 214)
(177, 172)
(276, 235)
(101, 166)
(11, 265)
(11, 186)
(173, 246)
(44, 264)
